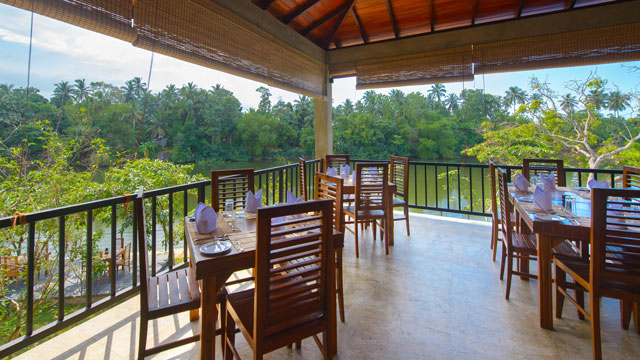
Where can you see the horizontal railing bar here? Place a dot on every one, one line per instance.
(466, 212)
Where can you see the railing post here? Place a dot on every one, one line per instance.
(90, 257)
(61, 277)
(170, 230)
(112, 268)
(31, 244)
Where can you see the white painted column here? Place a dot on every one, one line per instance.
(323, 122)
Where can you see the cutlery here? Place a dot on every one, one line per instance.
(239, 246)
(217, 237)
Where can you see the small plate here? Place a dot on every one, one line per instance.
(549, 217)
(215, 248)
(525, 198)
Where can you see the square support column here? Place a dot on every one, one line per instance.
(323, 121)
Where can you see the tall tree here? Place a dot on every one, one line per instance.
(568, 103)
(515, 95)
(618, 102)
(438, 92)
(81, 90)
(452, 102)
(62, 93)
(265, 100)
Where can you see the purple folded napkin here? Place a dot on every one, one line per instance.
(521, 183)
(593, 183)
(253, 201)
(292, 199)
(548, 182)
(331, 171)
(542, 199)
(205, 218)
(344, 171)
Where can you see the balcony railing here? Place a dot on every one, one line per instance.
(445, 187)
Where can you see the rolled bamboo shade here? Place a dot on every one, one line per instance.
(112, 18)
(204, 33)
(577, 48)
(441, 66)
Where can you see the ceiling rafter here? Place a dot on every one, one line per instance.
(365, 38)
(572, 3)
(336, 27)
(432, 16)
(337, 43)
(393, 19)
(337, 11)
(298, 11)
(474, 10)
(265, 4)
(520, 8)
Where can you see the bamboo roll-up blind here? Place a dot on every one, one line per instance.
(112, 18)
(577, 48)
(201, 32)
(440, 66)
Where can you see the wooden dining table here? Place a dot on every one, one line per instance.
(576, 226)
(214, 271)
(348, 187)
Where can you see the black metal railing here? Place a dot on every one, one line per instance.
(445, 187)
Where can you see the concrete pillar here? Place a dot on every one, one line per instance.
(323, 122)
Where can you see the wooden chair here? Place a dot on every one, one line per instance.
(371, 197)
(399, 175)
(10, 268)
(162, 295)
(630, 177)
(518, 245)
(290, 300)
(614, 268)
(302, 178)
(124, 259)
(536, 167)
(335, 161)
(330, 187)
(230, 184)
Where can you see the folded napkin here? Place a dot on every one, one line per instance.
(253, 202)
(542, 199)
(521, 183)
(292, 199)
(548, 182)
(344, 171)
(205, 219)
(331, 171)
(593, 183)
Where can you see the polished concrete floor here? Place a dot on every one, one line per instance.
(436, 296)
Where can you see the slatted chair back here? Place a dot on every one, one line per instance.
(335, 161)
(293, 260)
(230, 184)
(399, 175)
(537, 167)
(330, 187)
(506, 207)
(302, 178)
(10, 266)
(615, 236)
(143, 252)
(630, 177)
(494, 197)
(371, 186)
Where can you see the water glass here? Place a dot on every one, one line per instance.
(570, 204)
(240, 211)
(228, 207)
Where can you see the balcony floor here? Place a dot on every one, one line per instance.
(436, 296)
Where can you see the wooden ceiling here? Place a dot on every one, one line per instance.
(342, 23)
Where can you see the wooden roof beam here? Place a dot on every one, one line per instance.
(571, 4)
(336, 27)
(393, 19)
(298, 11)
(365, 38)
(520, 8)
(344, 8)
(474, 10)
(432, 16)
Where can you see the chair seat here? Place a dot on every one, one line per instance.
(524, 243)
(580, 267)
(378, 214)
(398, 202)
(172, 292)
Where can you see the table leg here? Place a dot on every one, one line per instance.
(390, 221)
(545, 301)
(208, 318)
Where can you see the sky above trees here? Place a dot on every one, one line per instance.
(62, 51)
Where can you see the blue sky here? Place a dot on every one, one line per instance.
(65, 52)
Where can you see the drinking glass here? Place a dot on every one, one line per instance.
(240, 210)
(228, 207)
(570, 204)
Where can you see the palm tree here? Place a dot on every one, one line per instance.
(62, 92)
(5, 89)
(397, 96)
(618, 102)
(452, 102)
(598, 98)
(437, 92)
(514, 96)
(81, 90)
(133, 89)
(568, 103)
